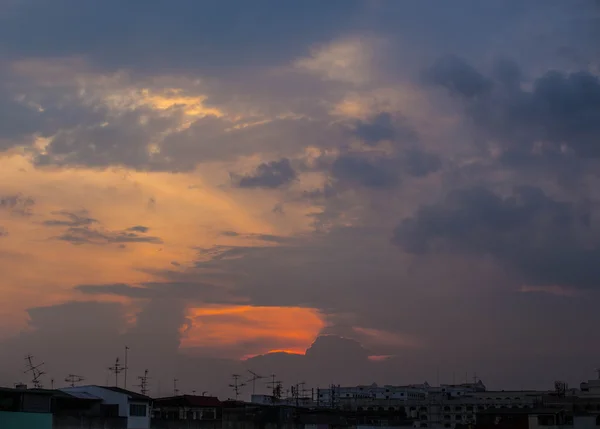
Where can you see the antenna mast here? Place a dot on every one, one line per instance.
(73, 379)
(35, 371)
(276, 386)
(116, 369)
(255, 377)
(143, 383)
(175, 389)
(236, 386)
(125, 367)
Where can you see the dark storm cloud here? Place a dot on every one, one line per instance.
(383, 172)
(560, 109)
(82, 229)
(270, 175)
(376, 173)
(216, 36)
(380, 128)
(419, 163)
(458, 77)
(542, 240)
(17, 204)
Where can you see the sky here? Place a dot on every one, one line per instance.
(333, 192)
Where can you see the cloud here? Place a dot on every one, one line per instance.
(190, 291)
(543, 241)
(270, 175)
(3, 232)
(380, 128)
(559, 115)
(17, 204)
(372, 173)
(80, 230)
(73, 219)
(459, 77)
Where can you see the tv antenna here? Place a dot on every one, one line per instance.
(35, 371)
(175, 389)
(236, 386)
(116, 369)
(73, 379)
(143, 383)
(255, 377)
(275, 385)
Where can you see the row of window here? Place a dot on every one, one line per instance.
(137, 410)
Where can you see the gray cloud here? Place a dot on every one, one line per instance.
(458, 76)
(17, 204)
(73, 219)
(194, 291)
(542, 240)
(113, 140)
(374, 173)
(80, 229)
(270, 175)
(139, 228)
(380, 128)
(560, 109)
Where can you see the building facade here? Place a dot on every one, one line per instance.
(131, 405)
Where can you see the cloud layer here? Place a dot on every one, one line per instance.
(280, 186)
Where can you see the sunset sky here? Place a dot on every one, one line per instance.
(337, 191)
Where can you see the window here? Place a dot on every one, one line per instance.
(137, 410)
(446, 417)
(446, 408)
(457, 408)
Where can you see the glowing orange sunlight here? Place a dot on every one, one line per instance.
(259, 329)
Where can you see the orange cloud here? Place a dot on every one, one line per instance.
(258, 329)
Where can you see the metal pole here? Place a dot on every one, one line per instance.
(126, 348)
